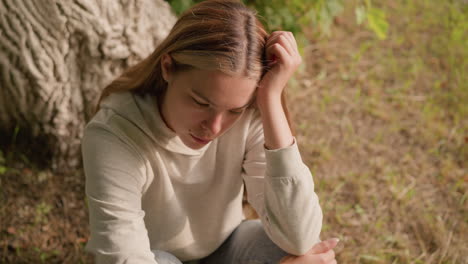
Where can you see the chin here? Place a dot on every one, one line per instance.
(195, 147)
(192, 144)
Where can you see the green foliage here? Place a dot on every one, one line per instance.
(180, 6)
(377, 22)
(286, 15)
(3, 168)
(298, 15)
(375, 18)
(305, 16)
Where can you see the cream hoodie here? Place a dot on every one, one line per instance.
(146, 190)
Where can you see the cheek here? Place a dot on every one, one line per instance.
(193, 117)
(229, 121)
(179, 114)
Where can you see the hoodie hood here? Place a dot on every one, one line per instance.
(143, 112)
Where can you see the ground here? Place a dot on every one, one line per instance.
(382, 124)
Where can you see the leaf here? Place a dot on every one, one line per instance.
(361, 15)
(3, 169)
(377, 22)
(334, 7)
(180, 6)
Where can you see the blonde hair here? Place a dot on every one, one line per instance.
(221, 35)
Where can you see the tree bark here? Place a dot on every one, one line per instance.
(57, 55)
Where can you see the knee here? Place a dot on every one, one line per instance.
(263, 249)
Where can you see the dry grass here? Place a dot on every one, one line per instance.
(382, 124)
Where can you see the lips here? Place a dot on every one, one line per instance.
(201, 140)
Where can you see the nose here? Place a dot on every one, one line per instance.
(214, 123)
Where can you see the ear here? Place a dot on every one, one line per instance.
(166, 67)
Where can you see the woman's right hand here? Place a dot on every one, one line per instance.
(321, 253)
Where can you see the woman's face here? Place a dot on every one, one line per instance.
(201, 105)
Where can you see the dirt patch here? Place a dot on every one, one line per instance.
(44, 217)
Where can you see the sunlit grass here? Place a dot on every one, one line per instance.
(384, 129)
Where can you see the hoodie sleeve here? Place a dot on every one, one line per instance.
(115, 176)
(280, 187)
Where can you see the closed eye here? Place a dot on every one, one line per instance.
(234, 112)
(200, 103)
(237, 112)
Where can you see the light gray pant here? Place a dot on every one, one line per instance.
(248, 244)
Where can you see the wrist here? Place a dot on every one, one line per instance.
(268, 100)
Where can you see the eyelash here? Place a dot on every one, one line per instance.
(200, 104)
(236, 113)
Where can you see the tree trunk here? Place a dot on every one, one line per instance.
(55, 58)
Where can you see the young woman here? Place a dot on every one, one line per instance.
(178, 136)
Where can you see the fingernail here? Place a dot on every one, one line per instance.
(336, 239)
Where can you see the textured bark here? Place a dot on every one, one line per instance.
(57, 55)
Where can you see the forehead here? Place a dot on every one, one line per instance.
(221, 89)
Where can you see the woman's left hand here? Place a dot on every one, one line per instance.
(283, 55)
(321, 253)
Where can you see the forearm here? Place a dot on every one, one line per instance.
(277, 132)
(284, 197)
(291, 210)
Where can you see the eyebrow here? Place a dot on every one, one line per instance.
(208, 100)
